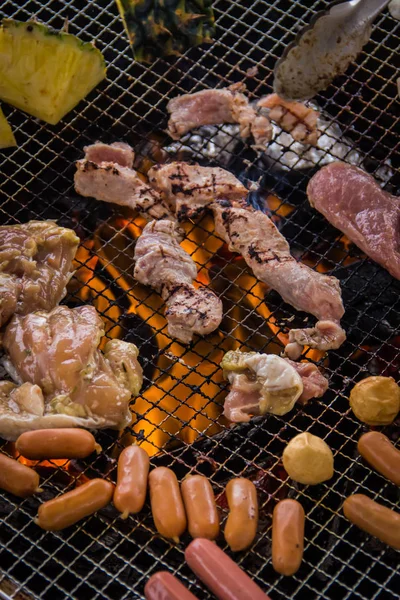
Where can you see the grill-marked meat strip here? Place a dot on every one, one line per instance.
(67, 381)
(252, 234)
(213, 107)
(165, 266)
(110, 182)
(35, 266)
(294, 117)
(353, 201)
(190, 189)
(118, 152)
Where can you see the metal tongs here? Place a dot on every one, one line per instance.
(325, 48)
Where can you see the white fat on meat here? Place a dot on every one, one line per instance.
(190, 189)
(164, 265)
(66, 381)
(214, 107)
(252, 234)
(266, 383)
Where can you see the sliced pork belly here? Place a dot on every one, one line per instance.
(353, 201)
(65, 381)
(213, 107)
(294, 117)
(252, 234)
(109, 182)
(165, 266)
(35, 266)
(190, 189)
(119, 153)
(266, 383)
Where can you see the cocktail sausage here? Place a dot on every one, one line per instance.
(220, 573)
(164, 586)
(287, 536)
(373, 518)
(380, 453)
(133, 471)
(56, 443)
(166, 503)
(69, 508)
(201, 509)
(17, 479)
(241, 525)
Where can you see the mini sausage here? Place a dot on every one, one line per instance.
(166, 503)
(69, 508)
(287, 536)
(220, 573)
(133, 471)
(380, 453)
(164, 586)
(374, 518)
(241, 525)
(201, 508)
(18, 479)
(56, 443)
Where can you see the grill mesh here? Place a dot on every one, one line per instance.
(105, 557)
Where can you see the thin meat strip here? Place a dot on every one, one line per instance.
(294, 117)
(106, 174)
(213, 107)
(165, 266)
(252, 234)
(190, 189)
(354, 202)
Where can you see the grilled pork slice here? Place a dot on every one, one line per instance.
(118, 152)
(35, 266)
(106, 174)
(252, 234)
(165, 266)
(353, 201)
(294, 117)
(213, 107)
(266, 383)
(65, 380)
(190, 189)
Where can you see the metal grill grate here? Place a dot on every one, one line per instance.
(106, 557)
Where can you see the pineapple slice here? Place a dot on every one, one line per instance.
(161, 28)
(7, 138)
(44, 72)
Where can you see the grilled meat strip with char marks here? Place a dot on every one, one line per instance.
(252, 234)
(105, 174)
(164, 265)
(294, 117)
(353, 201)
(190, 189)
(213, 107)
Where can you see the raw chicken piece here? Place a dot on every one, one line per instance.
(353, 201)
(190, 189)
(252, 234)
(165, 266)
(119, 153)
(266, 383)
(213, 107)
(57, 355)
(294, 117)
(326, 335)
(109, 181)
(35, 266)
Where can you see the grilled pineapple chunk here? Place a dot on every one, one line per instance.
(7, 138)
(45, 72)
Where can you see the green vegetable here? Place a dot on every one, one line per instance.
(163, 27)
(46, 72)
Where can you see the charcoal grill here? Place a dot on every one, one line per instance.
(177, 419)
